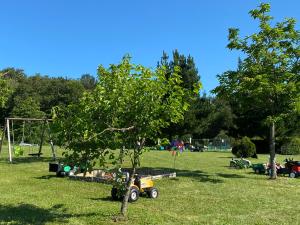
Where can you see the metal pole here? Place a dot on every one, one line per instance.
(42, 138)
(3, 136)
(51, 141)
(28, 119)
(8, 139)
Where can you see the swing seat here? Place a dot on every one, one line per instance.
(36, 154)
(25, 144)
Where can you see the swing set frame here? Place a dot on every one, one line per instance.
(7, 131)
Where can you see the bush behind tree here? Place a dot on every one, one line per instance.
(244, 148)
(291, 146)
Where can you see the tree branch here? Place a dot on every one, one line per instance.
(116, 129)
(112, 129)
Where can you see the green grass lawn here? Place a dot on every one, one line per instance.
(205, 191)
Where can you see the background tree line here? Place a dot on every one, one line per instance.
(208, 116)
(34, 96)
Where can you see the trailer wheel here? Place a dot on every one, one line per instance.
(134, 194)
(257, 171)
(153, 192)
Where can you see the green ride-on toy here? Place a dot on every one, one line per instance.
(259, 168)
(240, 163)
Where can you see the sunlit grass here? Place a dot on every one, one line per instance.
(205, 191)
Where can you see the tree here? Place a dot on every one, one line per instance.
(190, 82)
(129, 105)
(268, 81)
(27, 108)
(188, 70)
(4, 90)
(14, 73)
(47, 92)
(43, 91)
(88, 81)
(215, 116)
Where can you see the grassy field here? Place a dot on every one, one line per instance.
(205, 191)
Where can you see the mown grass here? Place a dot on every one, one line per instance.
(205, 191)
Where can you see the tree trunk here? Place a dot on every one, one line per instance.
(135, 163)
(273, 173)
(124, 205)
(121, 155)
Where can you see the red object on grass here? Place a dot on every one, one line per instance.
(296, 168)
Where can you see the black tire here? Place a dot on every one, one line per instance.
(153, 193)
(134, 194)
(60, 174)
(114, 194)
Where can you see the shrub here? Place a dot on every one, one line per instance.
(164, 141)
(291, 146)
(244, 148)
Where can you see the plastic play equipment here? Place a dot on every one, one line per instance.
(18, 150)
(61, 169)
(259, 168)
(290, 168)
(240, 163)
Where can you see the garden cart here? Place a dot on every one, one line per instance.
(140, 185)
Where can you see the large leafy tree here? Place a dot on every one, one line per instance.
(27, 108)
(9, 78)
(190, 81)
(34, 96)
(130, 104)
(88, 81)
(268, 80)
(45, 91)
(214, 116)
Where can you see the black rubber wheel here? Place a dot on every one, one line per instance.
(114, 194)
(153, 193)
(60, 174)
(134, 194)
(292, 175)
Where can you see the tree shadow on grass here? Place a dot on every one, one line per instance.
(196, 175)
(105, 199)
(232, 175)
(46, 177)
(25, 214)
(225, 157)
(21, 160)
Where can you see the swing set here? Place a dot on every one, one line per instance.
(19, 149)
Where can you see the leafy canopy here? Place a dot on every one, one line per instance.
(4, 90)
(268, 80)
(130, 103)
(190, 82)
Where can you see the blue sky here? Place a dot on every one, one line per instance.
(70, 37)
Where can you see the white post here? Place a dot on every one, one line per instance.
(8, 139)
(190, 140)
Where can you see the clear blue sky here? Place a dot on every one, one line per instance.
(72, 37)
